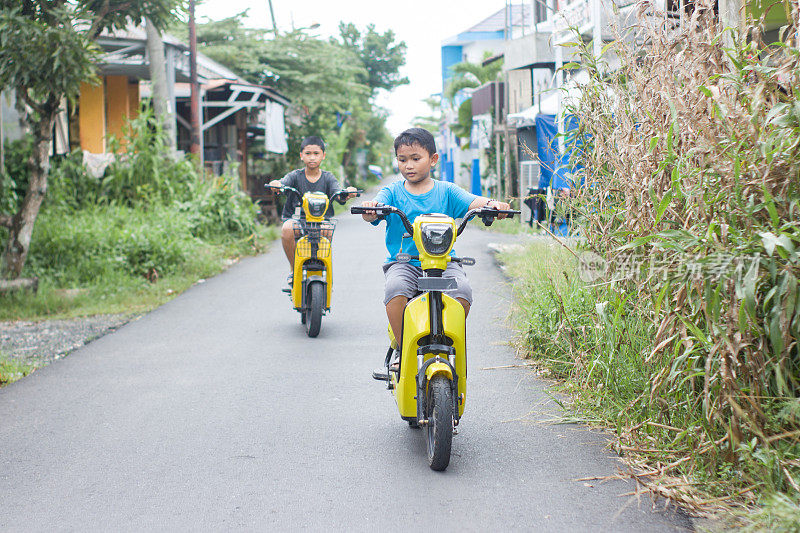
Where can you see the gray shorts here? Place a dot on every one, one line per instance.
(401, 280)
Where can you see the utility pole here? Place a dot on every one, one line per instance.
(272, 14)
(2, 140)
(195, 89)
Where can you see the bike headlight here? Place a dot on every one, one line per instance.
(437, 238)
(317, 206)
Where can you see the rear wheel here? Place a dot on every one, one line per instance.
(439, 410)
(314, 305)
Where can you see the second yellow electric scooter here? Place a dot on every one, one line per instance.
(312, 277)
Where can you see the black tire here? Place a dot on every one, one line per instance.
(315, 302)
(439, 410)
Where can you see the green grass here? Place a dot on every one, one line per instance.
(111, 291)
(12, 370)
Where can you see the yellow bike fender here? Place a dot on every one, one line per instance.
(435, 369)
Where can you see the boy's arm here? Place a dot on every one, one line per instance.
(286, 180)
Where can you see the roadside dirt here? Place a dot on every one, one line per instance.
(40, 343)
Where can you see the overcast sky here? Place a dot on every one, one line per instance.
(422, 24)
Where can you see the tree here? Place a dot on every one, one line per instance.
(330, 82)
(468, 75)
(229, 43)
(380, 55)
(433, 121)
(158, 80)
(47, 49)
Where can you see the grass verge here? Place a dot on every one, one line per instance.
(127, 291)
(598, 344)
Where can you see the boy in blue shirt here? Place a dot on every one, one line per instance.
(418, 193)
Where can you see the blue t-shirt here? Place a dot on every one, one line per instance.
(445, 198)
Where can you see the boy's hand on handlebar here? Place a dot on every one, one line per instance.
(372, 216)
(353, 192)
(502, 206)
(275, 183)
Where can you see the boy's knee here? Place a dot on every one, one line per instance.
(287, 230)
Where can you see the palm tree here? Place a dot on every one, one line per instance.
(468, 75)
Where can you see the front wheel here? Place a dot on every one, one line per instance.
(439, 410)
(313, 309)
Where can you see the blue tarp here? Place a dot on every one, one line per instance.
(556, 170)
(546, 147)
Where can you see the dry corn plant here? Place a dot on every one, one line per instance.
(692, 173)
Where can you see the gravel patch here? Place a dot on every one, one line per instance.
(41, 343)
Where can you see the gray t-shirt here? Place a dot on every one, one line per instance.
(326, 183)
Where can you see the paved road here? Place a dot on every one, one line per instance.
(216, 412)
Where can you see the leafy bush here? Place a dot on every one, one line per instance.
(109, 242)
(70, 184)
(14, 178)
(145, 172)
(217, 207)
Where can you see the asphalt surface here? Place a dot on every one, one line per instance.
(217, 412)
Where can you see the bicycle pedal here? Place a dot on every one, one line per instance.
(287, 291)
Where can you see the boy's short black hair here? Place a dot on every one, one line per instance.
(413, 136)
(312, 139)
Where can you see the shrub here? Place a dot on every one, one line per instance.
(216, 207)
(14, 177)
(109, 242)
(145, 172)
(70, 185)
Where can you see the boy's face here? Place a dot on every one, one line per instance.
(415, 162)
(312, 156)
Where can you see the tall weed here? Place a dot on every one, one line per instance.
(692, 196)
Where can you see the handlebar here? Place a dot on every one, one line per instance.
(487, 214)
(341, 196)
(382, 211)
(283, 188)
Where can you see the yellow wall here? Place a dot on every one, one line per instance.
(104, 110)
(133, 100)
(93, 118)
(117, 104)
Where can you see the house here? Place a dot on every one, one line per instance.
(240, 121)
(464, 159)
(538, 83)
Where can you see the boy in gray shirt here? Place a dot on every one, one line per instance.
(310, 178)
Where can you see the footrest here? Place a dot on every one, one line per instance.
(287, 291)
(380, 375)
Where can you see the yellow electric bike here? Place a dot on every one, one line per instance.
(426, 370)
(312, 277)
